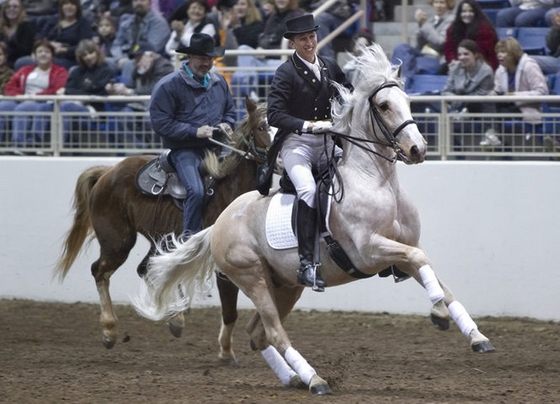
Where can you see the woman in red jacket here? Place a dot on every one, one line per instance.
(28, 127)
(471, 23)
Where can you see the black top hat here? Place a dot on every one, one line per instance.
(202, 45)
(300, 25)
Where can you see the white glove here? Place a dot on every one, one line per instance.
(322, 126)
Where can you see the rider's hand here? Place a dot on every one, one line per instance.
(321, 126)
(225, 129)
(204, 132)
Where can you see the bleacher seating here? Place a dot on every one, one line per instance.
(533, 40)
(425, 84)
(506, 32)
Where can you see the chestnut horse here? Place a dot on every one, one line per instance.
(373, 219)
(109, 207)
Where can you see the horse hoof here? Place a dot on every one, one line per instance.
(253, 345)
(441, 324)
(108, 342)
(319, 387)
(483, 347)
(175, 330)
(320, 390)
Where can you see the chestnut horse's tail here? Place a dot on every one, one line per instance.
(81, 227)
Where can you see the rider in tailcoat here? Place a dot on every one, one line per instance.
(299, 106)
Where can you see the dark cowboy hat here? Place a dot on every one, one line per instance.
(202, 45)
(300, 25)
(141, 49)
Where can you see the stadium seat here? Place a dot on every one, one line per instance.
(533, 40)
(506, 32)
(426, 84)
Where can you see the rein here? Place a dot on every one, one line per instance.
(252, 152)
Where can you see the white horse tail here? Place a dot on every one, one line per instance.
(175, 276)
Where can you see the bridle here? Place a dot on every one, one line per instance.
(389, 137)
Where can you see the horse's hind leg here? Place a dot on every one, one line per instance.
(113, 254)
(292, 369)
(228, 300)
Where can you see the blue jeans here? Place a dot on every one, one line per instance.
(516, 17)
(67, 120)
(187, 163)
(29, 127)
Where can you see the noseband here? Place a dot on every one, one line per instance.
(376, 116)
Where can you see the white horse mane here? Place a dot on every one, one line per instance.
(373, 68)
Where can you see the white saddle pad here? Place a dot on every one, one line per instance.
(279, 231)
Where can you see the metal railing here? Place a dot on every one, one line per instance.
(450, 135)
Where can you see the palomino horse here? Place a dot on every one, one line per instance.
(108, 206)
(371, 216)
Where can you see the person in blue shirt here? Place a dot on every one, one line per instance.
(185, 109)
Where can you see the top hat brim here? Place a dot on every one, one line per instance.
(290, 34)
(188, 50)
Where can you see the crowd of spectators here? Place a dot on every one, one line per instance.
(123, 47)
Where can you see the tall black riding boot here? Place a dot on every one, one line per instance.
(306, 228)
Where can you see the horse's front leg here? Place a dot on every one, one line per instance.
(445, 305)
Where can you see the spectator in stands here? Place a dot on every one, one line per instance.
(518, 74)
(149, 68)
(245, 81)
(15, 31)
(89, 77)
(185, 108)
(426, 57)
(143, 28)
(471, 23)
(106, 30)
(247, 23)
(550, 64)
(117, 8)
(195, 20)
(36, 9)
(329, 20)
(64, 32)
(357, 43)
(6, 72)
(471, 76)
(524, 13)
(45, 78)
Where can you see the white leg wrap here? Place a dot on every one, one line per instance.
(462, 318)
(300, 365)
(431, 284)
(280, 367)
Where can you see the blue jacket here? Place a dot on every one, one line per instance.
(180, 105)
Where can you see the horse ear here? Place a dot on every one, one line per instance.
(399, 71)
(250, 105)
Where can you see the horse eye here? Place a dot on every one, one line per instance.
(262, 128)
(384, 106)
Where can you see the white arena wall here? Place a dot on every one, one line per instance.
(490, 229)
